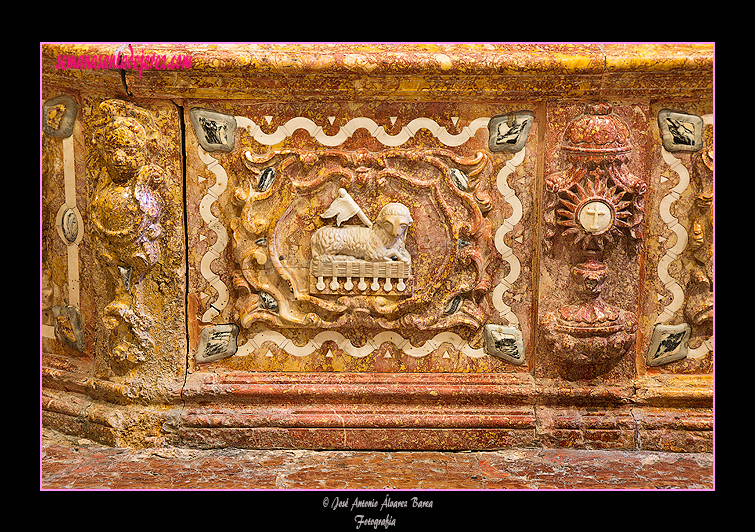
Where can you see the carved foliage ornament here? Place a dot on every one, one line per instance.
(382, 240)
(593, 202)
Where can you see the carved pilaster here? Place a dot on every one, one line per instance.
(590, 206)
(698, 306)
(136, 224)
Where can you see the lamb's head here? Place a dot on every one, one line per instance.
(394, 219)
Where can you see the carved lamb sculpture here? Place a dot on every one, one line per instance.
(383, 241)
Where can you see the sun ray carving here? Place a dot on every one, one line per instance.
(594, 212)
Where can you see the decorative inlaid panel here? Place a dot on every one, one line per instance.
(363, 240)
(678, 299)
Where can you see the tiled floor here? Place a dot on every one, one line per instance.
(70, 463)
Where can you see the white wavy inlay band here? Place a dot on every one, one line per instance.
(508, 225)
(672, 223)
(359, 352)
(702, 349)
(214, 251)
(348, 129)
(72, 248)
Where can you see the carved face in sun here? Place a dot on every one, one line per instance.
(594, 213)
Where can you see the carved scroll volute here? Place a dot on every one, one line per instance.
(592, 205)
(125, 210)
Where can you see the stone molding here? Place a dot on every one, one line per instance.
(401, 71)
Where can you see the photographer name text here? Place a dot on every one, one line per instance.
(361, 520)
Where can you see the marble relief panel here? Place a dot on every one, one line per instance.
(135, 221)
(677, 336)
(360, 237)
(593, 233)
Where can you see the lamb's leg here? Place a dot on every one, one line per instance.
(398, 255)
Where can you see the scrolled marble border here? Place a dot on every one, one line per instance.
(348, 129)
(372, 344)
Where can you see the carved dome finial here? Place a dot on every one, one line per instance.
(597, 133)
(598, 108)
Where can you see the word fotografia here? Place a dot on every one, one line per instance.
(124, 61)
(386, 522)
(382, 521)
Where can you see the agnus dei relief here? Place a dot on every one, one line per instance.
(373, 251)
(400, 217)
(591, 205)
